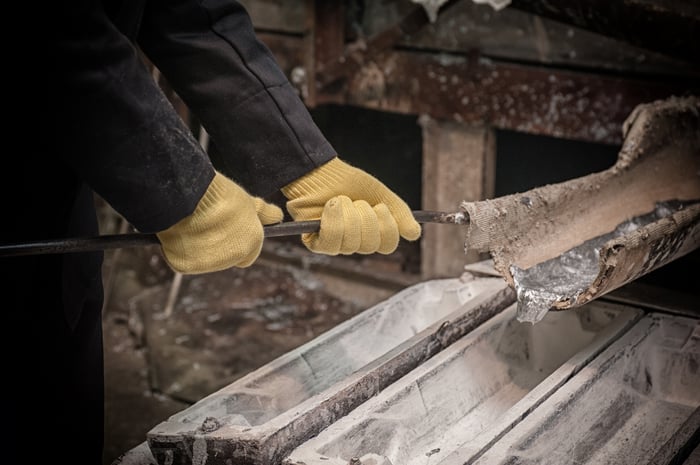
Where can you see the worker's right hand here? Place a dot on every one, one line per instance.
(225, 230)
(358, 213)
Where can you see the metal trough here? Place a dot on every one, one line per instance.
(636, 403)
(443, 373)
(261, 417)
(471, 392)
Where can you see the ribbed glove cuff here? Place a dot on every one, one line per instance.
(327, 176)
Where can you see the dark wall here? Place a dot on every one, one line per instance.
(386, 145)
(525, 161)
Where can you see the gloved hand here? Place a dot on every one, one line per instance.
(358, 213)
(225, 230)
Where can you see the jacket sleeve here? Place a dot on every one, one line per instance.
(209, 53)
(113, 126)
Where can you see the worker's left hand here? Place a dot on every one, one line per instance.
(225, 230)
(358, 213)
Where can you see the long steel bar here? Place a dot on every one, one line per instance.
(116, 241)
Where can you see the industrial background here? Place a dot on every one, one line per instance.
(445, 102)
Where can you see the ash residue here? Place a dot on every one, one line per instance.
(566, 276)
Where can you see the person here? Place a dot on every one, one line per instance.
(102, 125)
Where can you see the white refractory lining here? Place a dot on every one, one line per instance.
(634, 404)
(471, 392)
(273, 409)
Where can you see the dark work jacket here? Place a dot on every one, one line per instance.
(123, 137)
(94, 117)
(85, 115)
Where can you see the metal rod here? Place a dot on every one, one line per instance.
(117, 241)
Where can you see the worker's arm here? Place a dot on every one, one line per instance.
(210, 55)
(112, 124)
(119, 134)
(266, 137)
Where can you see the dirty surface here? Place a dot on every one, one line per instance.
(264, 415)
(571, 273)
(658, 162)
(225, 324)
(469, 387)
(133, 414)
(301, 375)
(624, 408)
(156, 366)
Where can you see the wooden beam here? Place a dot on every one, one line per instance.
(458, 164)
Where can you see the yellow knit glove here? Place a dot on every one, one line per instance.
(358, 213)
(225, 230)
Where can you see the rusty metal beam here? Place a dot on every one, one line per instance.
(529, 99)
(671, 27)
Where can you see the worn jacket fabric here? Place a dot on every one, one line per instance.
(126, 141)
(94, 120)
